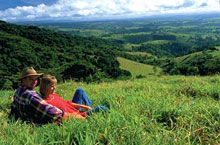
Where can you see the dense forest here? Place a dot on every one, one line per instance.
(88, 51)
(65, 56)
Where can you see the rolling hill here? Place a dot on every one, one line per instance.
(199, 63)
(138, 69)
(66, 57)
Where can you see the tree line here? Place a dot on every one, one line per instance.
(65, 56)
(205, 63)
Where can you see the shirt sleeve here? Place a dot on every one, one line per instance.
(46, 110)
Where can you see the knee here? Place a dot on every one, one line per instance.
(80, 90)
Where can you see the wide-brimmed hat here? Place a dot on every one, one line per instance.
(29, 71)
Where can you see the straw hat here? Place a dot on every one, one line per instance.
(29, 71)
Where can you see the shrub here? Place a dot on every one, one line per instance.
(5, 84)
(168, 118)
(191, 89)
(80, 71)
(140, 76)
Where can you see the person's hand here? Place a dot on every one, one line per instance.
(77, 116)
(89, 108)
(73, 115)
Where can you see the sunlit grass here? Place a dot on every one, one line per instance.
(153, 110)
(218, 47)
(157, 42)
(187, 57)
(137, 68)
(139, 53)
(128, 46)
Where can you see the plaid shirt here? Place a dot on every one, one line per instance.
(29, 106)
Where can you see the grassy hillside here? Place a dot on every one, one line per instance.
(155, 110)
(186, 58)
(199, 63)
(137, 68)
(139, 53)
(67, 57)
(218, 47)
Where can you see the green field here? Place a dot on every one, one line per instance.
(139, 53)
(149, 108)
(218, 47)
(163, 37)
(154, 110)
(137, 68)
(191, 56)
(129, 46)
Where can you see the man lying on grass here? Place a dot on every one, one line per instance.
(47, 89)
(29, 106)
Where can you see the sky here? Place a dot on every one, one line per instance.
(39, 10)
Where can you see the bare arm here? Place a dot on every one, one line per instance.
(73, 115)
(81, 106)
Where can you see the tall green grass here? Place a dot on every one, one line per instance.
(153, 110)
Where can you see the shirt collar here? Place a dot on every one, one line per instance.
(26, 88)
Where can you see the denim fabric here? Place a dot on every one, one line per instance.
(80, 97)
(97, 109)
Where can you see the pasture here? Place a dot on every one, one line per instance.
(153, 110)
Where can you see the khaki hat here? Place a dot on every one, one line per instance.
(29, 71)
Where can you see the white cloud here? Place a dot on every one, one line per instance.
(77, 9)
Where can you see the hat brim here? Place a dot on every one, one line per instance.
(32, 75)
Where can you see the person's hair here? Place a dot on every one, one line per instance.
(45, 81)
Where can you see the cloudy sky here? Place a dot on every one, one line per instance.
(28, 10)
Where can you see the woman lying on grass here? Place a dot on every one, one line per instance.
(47, 90)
